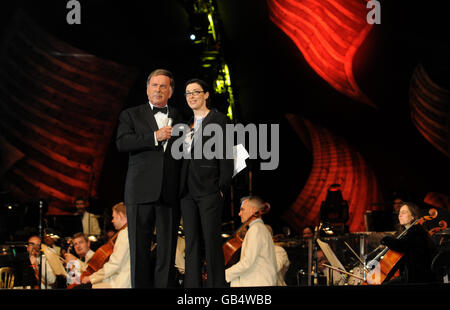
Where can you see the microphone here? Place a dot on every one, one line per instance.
(168, 122)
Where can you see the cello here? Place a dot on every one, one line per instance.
(231, 248)
(383, 266)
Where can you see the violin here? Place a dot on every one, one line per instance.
(384, 265)
(231, 248)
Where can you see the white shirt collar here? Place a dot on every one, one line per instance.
(152, 105)
(255, 221)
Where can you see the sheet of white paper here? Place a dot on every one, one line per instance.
(333, 260)
(240, 155)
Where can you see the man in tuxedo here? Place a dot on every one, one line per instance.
(151, 184)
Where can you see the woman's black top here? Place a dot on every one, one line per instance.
(419, 250)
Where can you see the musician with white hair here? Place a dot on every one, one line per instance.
(257, 265)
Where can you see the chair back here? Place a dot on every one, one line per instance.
(6, 277)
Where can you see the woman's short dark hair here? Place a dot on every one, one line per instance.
(205, 87)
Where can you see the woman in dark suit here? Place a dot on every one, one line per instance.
(204, 181)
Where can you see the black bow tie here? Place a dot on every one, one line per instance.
(162, 110)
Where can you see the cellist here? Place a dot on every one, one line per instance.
(116, 272)
(257, 265)
(417, 246)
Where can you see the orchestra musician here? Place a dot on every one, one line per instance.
(417, 247)
(116, 272)
(282, 260)
(89, 221)
(82, 247)
(308, 232)
(258, 264)
(48, 277)
(49, 240)
(78, 263)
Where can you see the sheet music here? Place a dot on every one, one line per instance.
(332, 259)
(240, 155)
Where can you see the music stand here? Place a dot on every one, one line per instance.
(333, 260)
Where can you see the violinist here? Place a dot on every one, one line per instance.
(257, 265)
(116, 272)
(82, 247)
(417, 247)
(77, 263)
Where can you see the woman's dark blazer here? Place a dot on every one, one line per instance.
(207, 176)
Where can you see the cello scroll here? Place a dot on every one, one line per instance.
(432, 215)
(442, 226)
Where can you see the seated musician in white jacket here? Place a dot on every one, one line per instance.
(257, 265)
(282, 260)
(116, 272)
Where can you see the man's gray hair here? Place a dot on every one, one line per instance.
(162, 72)
(257, 201)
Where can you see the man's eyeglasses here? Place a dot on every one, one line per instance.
(195, 92)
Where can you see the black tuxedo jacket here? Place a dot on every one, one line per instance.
(207, 176)
(152, 172)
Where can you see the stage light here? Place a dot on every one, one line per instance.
(227, 75)
(230, 112)
(328, 231)
(192, 37)
(212, 29)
